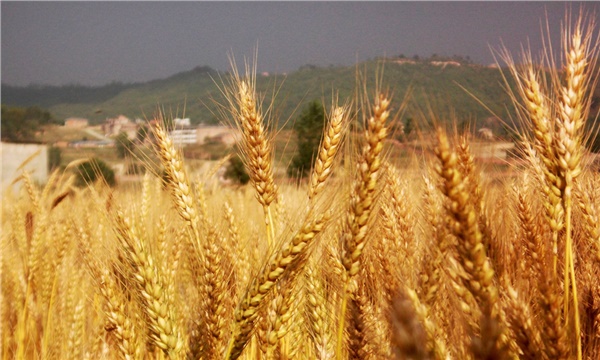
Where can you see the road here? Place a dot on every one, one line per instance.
(96, 135)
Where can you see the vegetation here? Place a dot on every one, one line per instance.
(435, 259)
(47, 96)
(425, 80)
(308, 129)
(124, 146)
(54, 158)
(20, 124)
(88, 172)
(236, 172)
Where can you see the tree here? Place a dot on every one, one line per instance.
(309, 129)
(142, 133)
(54, 157)
(408, 128)
(236, 171)
(124, 145)
(93, 170)
(19, 124)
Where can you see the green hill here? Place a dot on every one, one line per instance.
(433, 86)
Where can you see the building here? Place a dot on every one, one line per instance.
(114, 126)
(443, 64)
(184, 135)
(15, 155)
(76, 123)
(182, 122)
(223, 134)
(92, 144)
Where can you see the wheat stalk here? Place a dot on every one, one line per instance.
(333, 137)
(247, 310)
(158, 304)
(362, 201)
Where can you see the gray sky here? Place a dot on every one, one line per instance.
(97, 43)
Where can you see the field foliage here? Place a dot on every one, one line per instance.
(368, 259)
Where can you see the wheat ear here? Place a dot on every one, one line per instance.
(362, 201)
(332, 141)
(178, 180)
(539, 112)
(462, 221)
(124, 329)
(257, 148)
(569, 142)
(215, 297)
(247, 310)
(158, 304)
(316, 311)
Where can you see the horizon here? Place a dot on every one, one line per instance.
(37, 85)
(97, 44)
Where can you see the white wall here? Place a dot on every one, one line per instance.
(13, 155)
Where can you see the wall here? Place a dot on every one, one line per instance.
(13, 155)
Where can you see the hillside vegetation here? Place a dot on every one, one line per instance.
(193, 93)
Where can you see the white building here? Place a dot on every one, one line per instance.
(184, 135)
(121, 123)
(182, 122)
(13, 157)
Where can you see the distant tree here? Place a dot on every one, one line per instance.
(124, 146)
(54, 157)
(308, 67)
(409, 127)
(236, 171)
(593, 136)
(309, 129)
(20, 124)
(142, 133)
(95, 169)
(135, 169)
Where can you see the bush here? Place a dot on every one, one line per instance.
(236, 171)
(93, 170)
(135, 169)
(308, 129)
(20, 124)
(124, 146)
(54, 158)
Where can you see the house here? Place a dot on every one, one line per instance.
(92, 144)
(223, 134)
(486, 133)
(443, 64)
(76, 123)
(182, 122)
(184, 135)
(114, 126)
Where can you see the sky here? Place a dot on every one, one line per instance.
(95, 43)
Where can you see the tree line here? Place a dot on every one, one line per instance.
(19, 124)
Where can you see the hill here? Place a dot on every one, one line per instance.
(435, 83)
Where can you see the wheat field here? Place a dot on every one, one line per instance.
(366, 260)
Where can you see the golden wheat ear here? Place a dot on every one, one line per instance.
(256, 145)
(177, 180)
(158, 303)
(362, 202)
(462, 222)
(333, 138)
(290, 255)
